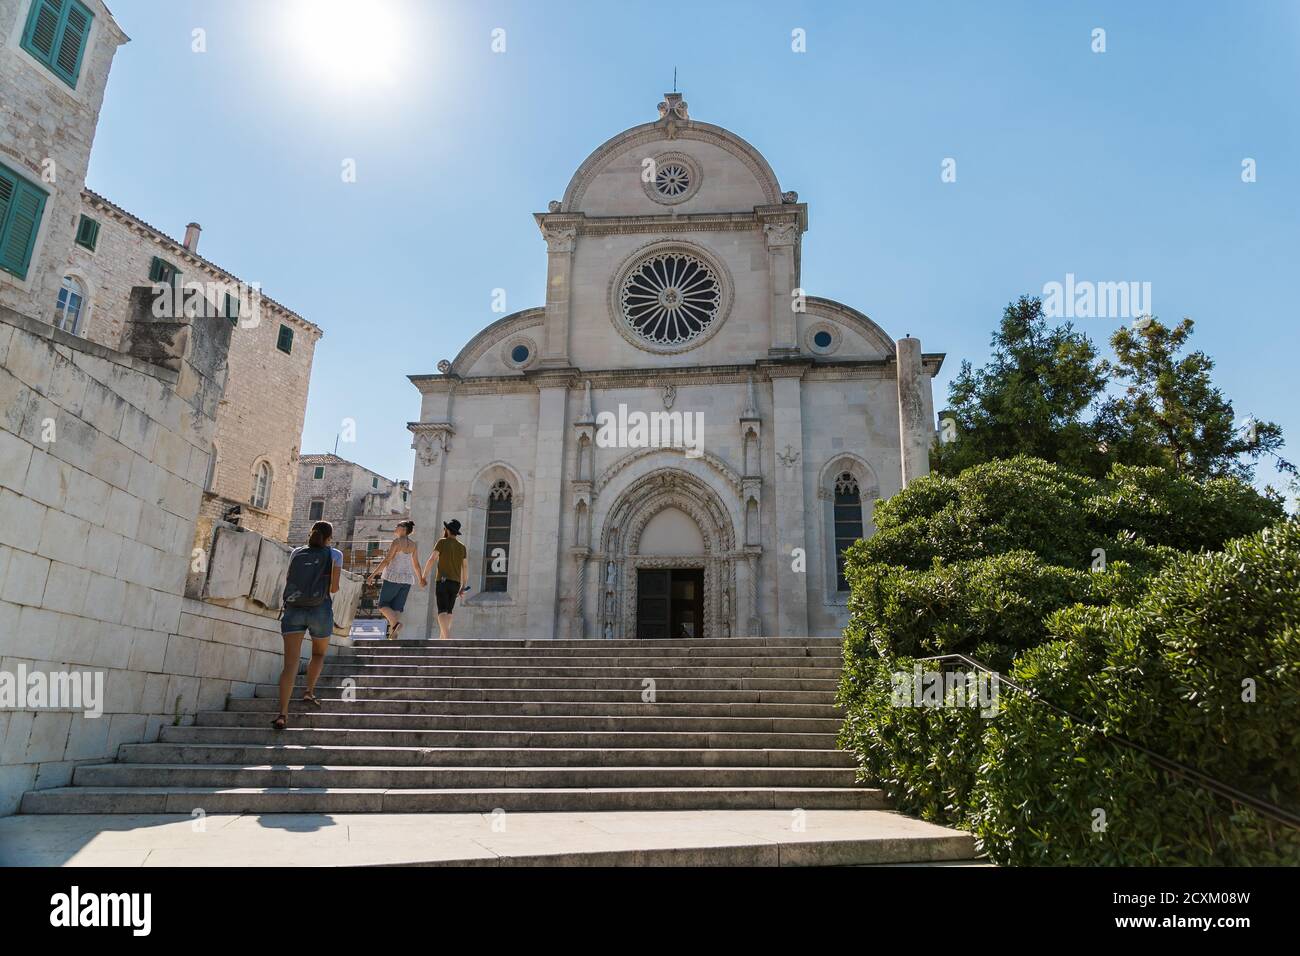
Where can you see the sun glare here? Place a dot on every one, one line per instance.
(355, 43)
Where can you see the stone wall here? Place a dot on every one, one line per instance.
(102, 460)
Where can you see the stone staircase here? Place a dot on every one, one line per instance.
(477, 726)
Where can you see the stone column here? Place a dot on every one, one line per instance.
(754, 626)
(548, 489)
(915, 430)
(432, 441)
(782, 227)
(791, 586)
(561, 233)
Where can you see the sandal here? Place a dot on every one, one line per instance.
(313, 700)
(395, 630)
(280, 722)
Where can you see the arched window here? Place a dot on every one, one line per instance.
(496, 538)
(72, 299)
(848, 522)
(261, 485)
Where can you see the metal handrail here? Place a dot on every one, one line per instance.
(1258, 804)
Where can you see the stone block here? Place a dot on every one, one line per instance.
(123, 513)
(25, 581)
(103, 551)
(232, 564)
(105, 599)
(87, 497)
(268, 580)
(64, 537)
(49, 736)
(65, 588)
(21, 521)
(15, 780)
(182, 655)
(47, 479)
(112, 461)
(15, 456)
(148, 650)
(88, 737)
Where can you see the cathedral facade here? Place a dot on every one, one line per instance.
(680, 442)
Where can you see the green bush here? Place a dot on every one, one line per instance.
(997, 603)
(1158, 647)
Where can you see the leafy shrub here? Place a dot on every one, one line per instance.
(1159, 648)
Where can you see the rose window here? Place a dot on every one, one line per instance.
(672, 180)
(670, 298)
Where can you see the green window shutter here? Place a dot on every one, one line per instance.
(39, 39)
(319, 473)
(285, 341)
(72, 42)
(232, 308)
(21, 207)
(56, 34)
(160, 270)
(87, 233)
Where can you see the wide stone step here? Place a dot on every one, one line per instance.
(526, 722)
(451, 778)
(438, 650)
(293, 800)
(262, 733)
(348, 669)
(363, 704)
(601, 646)
(534, 661)
(516, 682)
(629, 695)
(322, 755)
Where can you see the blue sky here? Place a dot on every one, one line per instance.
(1122, 165)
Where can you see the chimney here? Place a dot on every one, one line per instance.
(192, 237)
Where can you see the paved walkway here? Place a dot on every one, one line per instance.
(693, 837)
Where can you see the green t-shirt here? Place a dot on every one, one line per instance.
(451, 554)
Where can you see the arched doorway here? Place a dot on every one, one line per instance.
(668, 557)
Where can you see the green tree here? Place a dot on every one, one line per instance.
(1171, 414)
(1029, 399)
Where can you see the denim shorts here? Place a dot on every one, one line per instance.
(318, 621)
(393, 595)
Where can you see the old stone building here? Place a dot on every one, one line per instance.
(363, 505)
(680, 441)
(71, 257)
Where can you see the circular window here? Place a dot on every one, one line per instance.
(518, 351)
(673, 180)
(676, 178)
(670, 298)
(822, 338)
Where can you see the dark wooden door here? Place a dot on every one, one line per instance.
(670, 603)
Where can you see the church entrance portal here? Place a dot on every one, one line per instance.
(670, 603)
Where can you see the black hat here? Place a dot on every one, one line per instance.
(453, 526)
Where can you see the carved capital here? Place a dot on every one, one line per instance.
(431, 440)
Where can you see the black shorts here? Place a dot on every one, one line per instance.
(446, 591)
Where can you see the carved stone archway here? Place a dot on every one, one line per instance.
(620, 543)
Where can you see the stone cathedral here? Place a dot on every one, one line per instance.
(680, 442)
